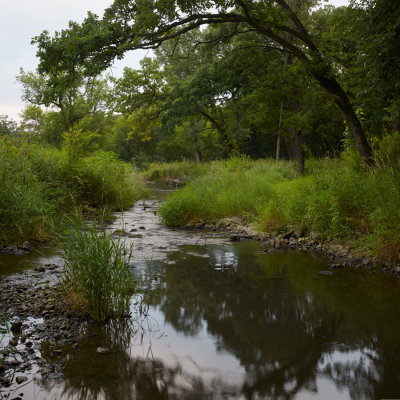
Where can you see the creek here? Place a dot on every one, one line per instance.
(224, 320)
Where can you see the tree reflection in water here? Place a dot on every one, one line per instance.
(286, 325)
(281, 319)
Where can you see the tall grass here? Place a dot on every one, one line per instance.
(24, 207)
(96, 274)
(160, 172)
(335, 199)
(235, 187)
(39, 184)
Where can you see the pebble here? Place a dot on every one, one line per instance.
(21, 379)
(103, 350)
(327, 273)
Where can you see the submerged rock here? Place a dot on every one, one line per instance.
(327, 273)
(103, 350)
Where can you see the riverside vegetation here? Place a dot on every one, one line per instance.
(337, 199)
(39, 185)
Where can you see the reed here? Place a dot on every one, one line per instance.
(96, 279)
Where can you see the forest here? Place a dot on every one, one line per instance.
(310, 92)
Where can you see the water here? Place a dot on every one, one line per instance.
(223, 320)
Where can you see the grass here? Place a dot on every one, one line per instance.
(336, 199)
(161, 172)
(39, 185)
(96, 276)
(235, 187)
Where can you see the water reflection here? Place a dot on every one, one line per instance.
(281, 319)
(119, 374)
(226, 322)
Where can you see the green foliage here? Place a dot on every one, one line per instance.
(8, 126)
(161, 172)
(236, 187)
(96, 276)
(40, 183)
(336, 200)
(24, 208)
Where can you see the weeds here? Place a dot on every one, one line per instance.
(96, 277)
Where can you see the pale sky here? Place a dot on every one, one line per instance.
(20, 20)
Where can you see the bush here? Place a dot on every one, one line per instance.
(96, 274)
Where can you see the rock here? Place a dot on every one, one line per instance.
(327, 273)
(5, 382)
(336, 265)
(288, 235)
(16, 327)
(40, 269)
(56, 353)
(142, 227)
(54, 375)
(103, 350)
(21, 379)
(314, 235)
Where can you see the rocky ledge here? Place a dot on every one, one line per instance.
(24, 248)
(339, 256)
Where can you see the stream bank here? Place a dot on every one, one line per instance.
(339, 255)
(222, 319)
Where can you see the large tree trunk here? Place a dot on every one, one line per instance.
(341, 99)
(198, 156)
(278, 139)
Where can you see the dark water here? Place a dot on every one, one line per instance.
(223, 320)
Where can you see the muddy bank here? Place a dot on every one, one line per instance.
(339, 256)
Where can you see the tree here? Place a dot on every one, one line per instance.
(7, 126)
(129, 25)
(70, 99)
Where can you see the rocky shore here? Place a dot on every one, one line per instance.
(33, 311)
(339, 256)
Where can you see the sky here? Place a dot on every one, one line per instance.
(20, 20)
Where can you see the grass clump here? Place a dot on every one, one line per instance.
(96, 273)
(24, 207)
